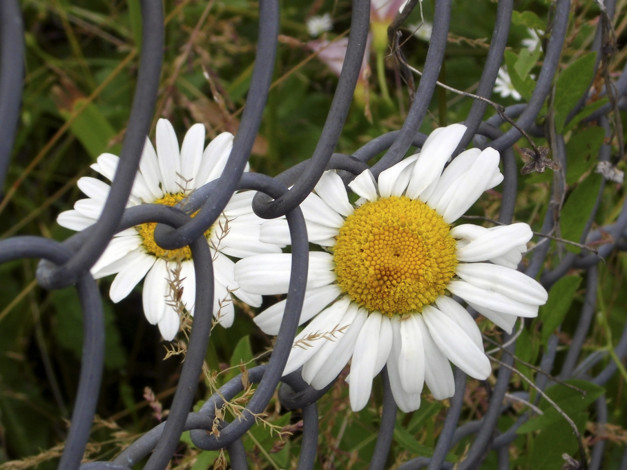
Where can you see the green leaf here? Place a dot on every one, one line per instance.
(584, 113)
(524, 85)
(526, 61)
(560, 299)
(570, 86)
(581, 151)
(90, 126)
(242, 353)
(528, 19)
(408, 442)
(68, 328)
(577, 209)
(571, 401)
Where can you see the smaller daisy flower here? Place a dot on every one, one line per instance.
(316, 25)
(381, 291)
(165, 177)
(503, 85)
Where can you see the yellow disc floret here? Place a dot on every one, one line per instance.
(147, 232)
(394, 255)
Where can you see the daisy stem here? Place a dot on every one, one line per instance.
(381, 77)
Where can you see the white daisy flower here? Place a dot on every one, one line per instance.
(316, 25)
(503, 85)
(381, 292)
(166, 177)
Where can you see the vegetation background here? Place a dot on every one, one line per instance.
(81, 69)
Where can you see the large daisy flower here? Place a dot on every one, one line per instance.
(381, 292)
(166, 177)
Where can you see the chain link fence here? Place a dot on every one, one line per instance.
(540, 117)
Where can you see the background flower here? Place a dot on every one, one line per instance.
(503, 85)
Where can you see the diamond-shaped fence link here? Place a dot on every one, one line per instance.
(67, 263)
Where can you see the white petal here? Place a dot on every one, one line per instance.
(491, 300)
(317, 211)
(434, 154)
(241, 204)
(453, 341)
(407, 402)
(269, 274)
(460, 315)
(336, 345)
(168, 156)
(394, 180)
(459, 166)
(191, 153)
(496, 242)
(188, 283)
(74, 220)
(315, 334)
(452, 175)
(118, 247)
(156, 289)
(438, 373)
(454, 200)
(214, 158)
(89, 208)
(106, 164)
(332, 191)
(365, 186)
(149, 168)
(277, 232)
(502, 320)
(315, 301)
(411, 357)
(240, 240)
(365, 358)
(384, 344)
(169, 324)
(223, 309)
(506, 281)
(224, 273)
(94, 188)
(510, 259)
(141, 192)
(342, 351)
(128, 277)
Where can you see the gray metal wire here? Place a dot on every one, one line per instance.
(68, 263)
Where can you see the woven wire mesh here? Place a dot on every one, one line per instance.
(67, 263)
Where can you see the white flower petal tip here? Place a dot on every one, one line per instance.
(505, 281)
(453, 341)
(435, 152)
(481, 244)
(169, 325)
(364, 185)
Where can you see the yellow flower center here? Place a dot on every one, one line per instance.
(147, 232)
(394, 256)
